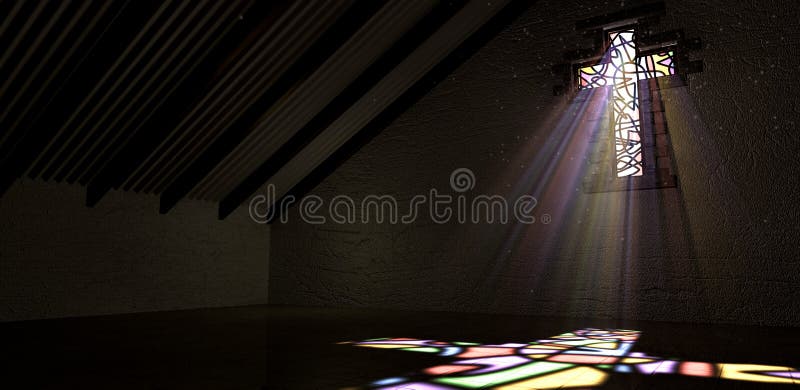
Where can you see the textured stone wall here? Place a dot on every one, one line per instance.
(720, 248)
(59, 258)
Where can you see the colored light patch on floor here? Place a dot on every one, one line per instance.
(574, 377)
(389, 346)
(505, 376)
(697, 369)
(657, 367)
(756, 373)
(579, 342)
(636, 360)
(553, 346)
(583, 358)
(450, 369)
(495, 363)
(423, 349)
(473, 352)
(784, 374)
(416, 386)
(539, 350)
(605, 345)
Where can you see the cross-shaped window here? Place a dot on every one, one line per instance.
(621, 69)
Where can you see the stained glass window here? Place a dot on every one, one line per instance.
(621, 69)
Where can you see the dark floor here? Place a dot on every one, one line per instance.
(296, 348)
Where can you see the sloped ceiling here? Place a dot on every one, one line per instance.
(212, 99)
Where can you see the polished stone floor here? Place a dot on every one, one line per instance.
(277, 347)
